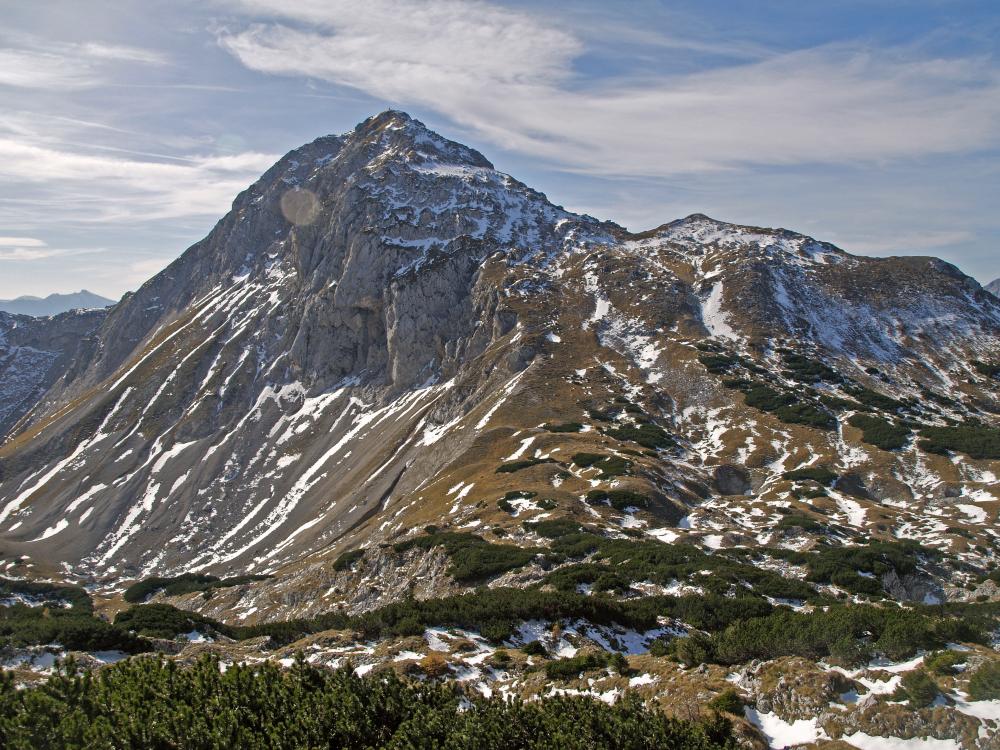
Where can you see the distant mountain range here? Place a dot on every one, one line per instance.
(994, 287)
(54, 304)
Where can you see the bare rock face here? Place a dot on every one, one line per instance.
(731, 480)
(795, 688)
(36, 352)
(383, 321)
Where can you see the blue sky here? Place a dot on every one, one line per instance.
(128, 127)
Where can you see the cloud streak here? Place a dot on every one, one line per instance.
(39, 65)
(508, 77)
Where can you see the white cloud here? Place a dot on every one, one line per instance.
(20, 242)
(103, 188)
(508, 77)
(37, 64)
(34, 252)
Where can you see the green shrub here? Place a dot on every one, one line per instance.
(989, 370)
(943, 662)
(693, 649)
(609, 466)
(165, 621)
(535, 648)
(807, 370)
(873, 399)
(646, 434)
(918, 688)
(148, 704)
(728, 701)
(564, 427)
(618, 499)
(984, 685)
(976, 441)
(186, 583)
(819, 474)
(808, 414)
(718, 363)
(47, 594)
(347, 559)
(879, 432)
(567, 669)
(552, 528)
(511, 466)
(472, 557)
(797, 521)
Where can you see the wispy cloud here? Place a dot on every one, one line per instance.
(508, 76)
(20, 242)
(114, 188)
(29, 62)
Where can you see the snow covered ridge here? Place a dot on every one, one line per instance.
(319, 370)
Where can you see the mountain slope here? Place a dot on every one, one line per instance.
(993, 287)
(376, 336)
(54, 304)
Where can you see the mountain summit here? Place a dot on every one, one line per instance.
(386, 333)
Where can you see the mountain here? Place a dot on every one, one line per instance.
(54, 304)
(993, 287)
(392, 374)
(284, 388)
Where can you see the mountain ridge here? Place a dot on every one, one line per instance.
(54, 303)
(414, 288)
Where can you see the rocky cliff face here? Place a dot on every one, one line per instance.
(36, 352)
(383, 320)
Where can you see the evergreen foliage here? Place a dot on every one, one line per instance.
(880, 432)
(472, 557)
(182, 584)
(347, 559)
(984, 685)
(151, 703)
(974, 440)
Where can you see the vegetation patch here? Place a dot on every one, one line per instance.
(819, 474)
(646, 434)
(472, 557)
(880, 432)
(552, 528)
(347, 559)
(148, 704)
(609, 466)
(974, 440)
(990, 370)
(526, 463)
(46, 594)
(806, 370)
(564, 427)
(873, 399)
(618, 499)
(718, 363)
(785, 406)
(798, 521)
(183, 584)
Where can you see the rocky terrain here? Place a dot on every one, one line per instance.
(392, 374)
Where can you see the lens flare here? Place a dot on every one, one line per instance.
(300, 207)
